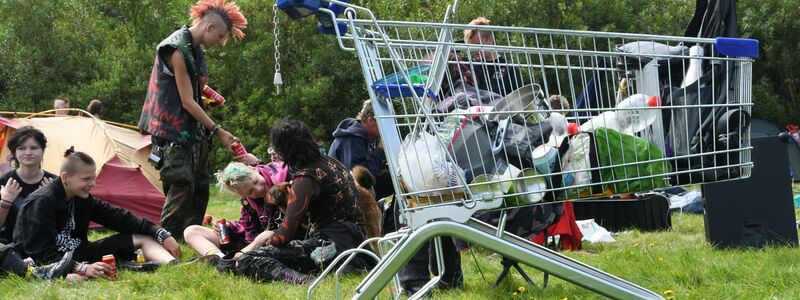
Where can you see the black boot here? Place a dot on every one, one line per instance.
(290, 275)
(56, 269)
(263, 268)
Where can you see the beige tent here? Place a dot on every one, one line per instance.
(124, 176)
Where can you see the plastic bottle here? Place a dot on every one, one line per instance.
(695, 66)
(559, 124)
(625, 119)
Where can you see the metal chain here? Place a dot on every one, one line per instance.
(277, 81)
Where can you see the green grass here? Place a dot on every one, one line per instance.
(679, 260)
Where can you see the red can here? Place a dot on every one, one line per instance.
(210, 93)
(238, 148)
(111, 261)
(224, 238)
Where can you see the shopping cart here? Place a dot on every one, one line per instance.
(470, 126)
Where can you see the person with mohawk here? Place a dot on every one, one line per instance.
(173, 115)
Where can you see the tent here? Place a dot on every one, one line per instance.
(124, 176)
(763, 128)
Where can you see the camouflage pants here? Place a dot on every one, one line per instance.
(185, 179)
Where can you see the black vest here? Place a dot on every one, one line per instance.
(163, 115)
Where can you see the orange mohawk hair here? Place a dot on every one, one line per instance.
(229, 12)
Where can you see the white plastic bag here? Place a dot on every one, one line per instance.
(424, 166)
(594, 233)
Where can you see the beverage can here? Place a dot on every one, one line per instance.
(224, 238)
(216, 98)
(111, 261)
(238, 148)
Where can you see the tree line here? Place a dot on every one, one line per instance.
(104, 49)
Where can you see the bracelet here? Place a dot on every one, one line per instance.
(161, 235)
(215, 128)
(82, 268)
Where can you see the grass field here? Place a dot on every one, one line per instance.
(680, 261)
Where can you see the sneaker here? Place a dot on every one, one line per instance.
(54, 270)
(148, 266)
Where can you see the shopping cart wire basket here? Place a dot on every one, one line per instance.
(528, 116)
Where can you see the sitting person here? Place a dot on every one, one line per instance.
(356, 142)
(323, 190)
(27, 146)
(492, 71)
(458, 89)
(258, 217)
(54, 220)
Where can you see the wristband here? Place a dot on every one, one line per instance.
(215, 128)
(82, 268)
(161, 235)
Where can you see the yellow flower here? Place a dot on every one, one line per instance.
(661, 259)
(668, 293)
(565, 298)
(636, 244)
(521, 289)
(650, 245)
(514, 294)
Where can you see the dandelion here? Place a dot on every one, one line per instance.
(636, 245)
(668, 293)
(661, 259)
(514, 294)
(521, 289)
(565, 298)
(650, 245)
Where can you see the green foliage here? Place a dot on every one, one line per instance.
(103, 49)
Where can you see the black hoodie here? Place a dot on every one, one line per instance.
(352, 147)
(45, 213)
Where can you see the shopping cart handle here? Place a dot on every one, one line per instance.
(298, 9)
(737, 47)
(326, 20)
(325, 25)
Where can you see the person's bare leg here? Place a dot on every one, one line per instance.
(201, 239)
(152, 250)
(258, 242)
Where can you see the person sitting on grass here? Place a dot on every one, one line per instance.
(27, 146)
(257, 217)
(54, 220)
(323, 190)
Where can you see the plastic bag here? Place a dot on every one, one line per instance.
(424, 166)
(576, 164)
(593, 232)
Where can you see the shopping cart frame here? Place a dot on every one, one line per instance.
(454, 218)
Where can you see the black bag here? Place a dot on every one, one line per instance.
(701, 130)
